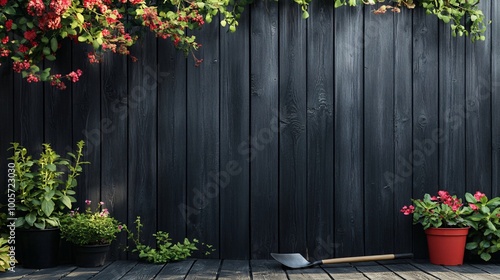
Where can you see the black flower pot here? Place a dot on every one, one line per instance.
(38, 248)
(91, 255)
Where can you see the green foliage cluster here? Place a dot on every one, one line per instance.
(44, 186)
(90, 228)
(4, 255)
(166, 250)
(484, 237)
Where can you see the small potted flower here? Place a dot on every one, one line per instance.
(91, 233)
(446, 224)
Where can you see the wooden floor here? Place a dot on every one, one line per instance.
(261, 269)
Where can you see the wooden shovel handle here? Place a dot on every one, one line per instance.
(367, 258)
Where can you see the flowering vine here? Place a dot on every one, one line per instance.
(32, 30)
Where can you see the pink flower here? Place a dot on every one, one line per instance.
(120, 227)
(101, 203)
(407, 210)
(478, 195)
(474, 207)
(88, 202)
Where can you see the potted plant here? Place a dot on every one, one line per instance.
(484, 236)
(446, 224)
(91, 233)
(44, 190)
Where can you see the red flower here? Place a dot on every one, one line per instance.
(30, 35)
(35, 8)
(8, 24)
(3, 2)
(50, 21)
(32, 79)
(407, 210)
(5, 40)
(478, 195)
(60, 6)
(23, 48)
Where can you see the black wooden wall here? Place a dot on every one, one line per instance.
(293, 135)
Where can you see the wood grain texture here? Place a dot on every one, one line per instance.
(114, 150)
(203, 141)
(401, 178)
(495, 100)
(310, 273)
(349, 132)
(142, 138)
(320, 131)
(264, 123)
(234, 269)
(293, 134)
(6, 125)
(234, 169)
(87, 125)
(204, 269)
(378, 133)
(267, 270)
(116, 270)
(175, 270)
(424, 156)
(143, 271)
(172, 133)
(478, 111)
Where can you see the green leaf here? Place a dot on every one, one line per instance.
(80, 18)
(30, 218)
(491, 226)
(47, 207)
(53, 46)
(485, 256)
(52, 167)
(50, 57)
(471, 245)
(82, 38)
(46, 51)
(66, 201)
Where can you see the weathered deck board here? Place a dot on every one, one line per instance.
(261, 270)
(265, 269)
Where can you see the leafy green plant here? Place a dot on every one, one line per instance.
(44, 186)
(4, 255)
(166, 250)
(439, 211)
(484, 237)
(90, 228)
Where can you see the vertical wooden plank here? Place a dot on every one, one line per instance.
(142, 134)
(424, 156)
(114, 151)
(495, 98)
(378, 132)
(349, 131)
(28, 114)
(6, 125)
(234, 171)
(478, 111)
(58, 114)
(293, 137)
(171, 140)
(88, 125)
(264, 122)
(450, 136)
(320, 134)
(401, 179)
(203, 141)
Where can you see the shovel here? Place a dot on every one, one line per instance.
(296, 260)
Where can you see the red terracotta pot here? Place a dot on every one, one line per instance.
(446, 245)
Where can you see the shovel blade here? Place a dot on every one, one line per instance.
(293, 260)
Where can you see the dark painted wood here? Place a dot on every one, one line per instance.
(6, 125)
(234, 169)
(58, 104)
(343, 272)
(349, 133)
(50, 273)
(116, 270)
(438, 271)
(18, 273)
(114, 155)
(143, 271)
(204, 269)
(142, 134)
(495, 100)
(293, 136)
(310, 273)
(401, 178)
(478, 112)
(175, 270)
(267, 270)
(264, 121)
(472, 272)
(424, 155)
(232, 269)
(28, 115)
(83, 273)
(320, 131)
(88, 125)
(203, 141)
(378, 133)
(171, 140)
(451, 133)
(407, 271)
